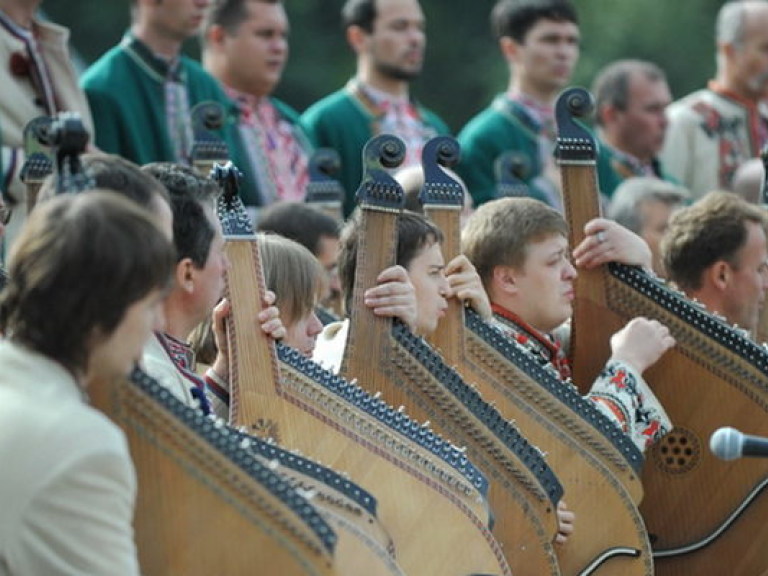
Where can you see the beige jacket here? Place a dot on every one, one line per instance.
(67, 484)
(709, 135)
(17, 105)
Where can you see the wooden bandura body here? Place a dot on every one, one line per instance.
(431, 499)
(704, 516)
(205, 505)
(581, 445)
(363, 545)
(388, 358)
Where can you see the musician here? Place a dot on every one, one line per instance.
(68, 485)
(715, 251)
(245, 47)
(630, 100)
(198, 286)
(141, 92)
(713, 130)
(38, 79)
(316, 231)
(419, 253)
(644, 205)
(520, 249)
(294, 275)
(539, 40)
(388, 38)
(419, 258)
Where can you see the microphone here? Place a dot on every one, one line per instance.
(729, 444)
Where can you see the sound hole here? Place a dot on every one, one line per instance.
(677, 452)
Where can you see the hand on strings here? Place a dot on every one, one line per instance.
(608, 241)
(268, 319)
(641, 343)
(565, 520)
(466, 285)
(393, 296)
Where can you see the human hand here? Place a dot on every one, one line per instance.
(565, 520)
(608, 241)
(466, 285)
(269, 317)
(393, 296)
(641, 343)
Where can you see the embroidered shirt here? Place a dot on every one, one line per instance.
(619, 392)
(183, 359)
(398, 116)
(280, 163)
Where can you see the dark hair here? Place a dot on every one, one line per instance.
(300, 222)
(360, 13)
(611, 86)
(514, 18)
(80, 262)
(229, 14)
(190, 195)
(112, 172)
(711, 229)
(414, 232)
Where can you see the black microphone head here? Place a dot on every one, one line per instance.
(727, 443)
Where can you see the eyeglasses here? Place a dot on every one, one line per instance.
(5, 214)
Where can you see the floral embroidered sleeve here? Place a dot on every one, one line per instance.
(624, 397)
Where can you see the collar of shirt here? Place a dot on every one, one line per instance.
(252, 109)
(162, 68)
(542, 113)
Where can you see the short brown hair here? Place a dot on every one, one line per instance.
(710, 230)
(79, 263)
(499, 232)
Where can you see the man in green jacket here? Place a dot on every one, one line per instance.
(631, 97)
(141, 91)
(539, 40)
(389, 40)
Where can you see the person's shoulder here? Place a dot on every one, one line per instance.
(689, 105)
(335, 102)
(431, 118)
(481, 117)
(106, 70)
(490, 125)
(285, 110)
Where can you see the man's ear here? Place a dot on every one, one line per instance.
(509, 49)
(215, 35)
(504, 279)
(185, 275)
(718, 275)
(608, 113)
(356, 37)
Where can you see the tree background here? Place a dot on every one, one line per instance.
(463, 68)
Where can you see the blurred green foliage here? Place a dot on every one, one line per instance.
(463, 69)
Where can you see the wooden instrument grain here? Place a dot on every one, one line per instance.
(703, 515)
